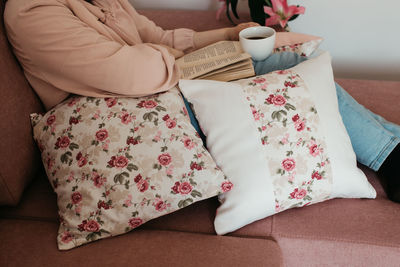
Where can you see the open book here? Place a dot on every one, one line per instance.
(222, 61)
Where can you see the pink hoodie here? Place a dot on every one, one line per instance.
(104, 49)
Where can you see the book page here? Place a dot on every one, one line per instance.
(210, 58)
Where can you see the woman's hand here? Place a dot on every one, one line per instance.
(175, 52)
(233, 33)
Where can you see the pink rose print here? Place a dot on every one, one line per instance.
(50, 120)
(103, 205)
(288, 164)
(259, 80)
(138, 178)
(196, 166)
(256, 115)
(185, 188)
(314, 150)
(282, 72)
(226, 186)
(73, 120)
(121, 162)
(185, 112)
(279, 100)
(101, 135)
(316, 175)
(269, 99)
(290, 84)
(66, 237)
(128, 201)
(170, 123)
(298, 194)
(142, 185)
(62, 142)
(165, 118)
(285, 139)
(299, 125)
(76, 197)
(126, 118)
(149, 104)
(170, 170)
(110, 101)
(188, 143)
(131, 141)
(81, 159)
(164, 159)
(175, 188)
(160, 205)
(72, 102)
(98, 180)
(91, 226)
(295, 118)
(135, 222)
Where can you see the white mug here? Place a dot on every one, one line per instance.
(258, 41)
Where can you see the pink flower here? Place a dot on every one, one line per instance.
(269, 99)
(295, 118)
(281, 12)
(175, 188)
(285, 139)
(160, 205)
(288, 164)
(50, 120)
(316, 175)
(314, 150)
(256, 115)
(170, 123)
(185, 188)
(298, 194)
(91, 226)
(226, 186)
(165, 118)
(188, 143)
(259, 80)
(142, 185)
(103, 205)
(76, 197)
(73, 120)
(164, 159)
(126, 118)
(195, 166)
(149, 104)
(121, 162)
(81, 159)
(66, 237)
(138, 178)
(135, 222)
(101, 135)
(131, 141)
(62, 142)
(110, 101)
(299, 125)
(279, 100)
(98, 180)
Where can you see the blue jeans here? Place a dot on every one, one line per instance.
(372, 137)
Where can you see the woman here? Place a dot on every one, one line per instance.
(104, 47)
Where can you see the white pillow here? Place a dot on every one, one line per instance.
(280, 139)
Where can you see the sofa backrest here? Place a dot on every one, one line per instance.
(19, 158)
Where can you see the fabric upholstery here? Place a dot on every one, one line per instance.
(18, 153)
(138, 248)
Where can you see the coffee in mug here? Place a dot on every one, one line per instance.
(258, 41)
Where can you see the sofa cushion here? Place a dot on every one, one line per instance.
(138, 248)
(17, 150)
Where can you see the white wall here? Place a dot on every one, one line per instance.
(363, 36)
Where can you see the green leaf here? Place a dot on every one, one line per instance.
(73, 146)
(196, 193)
(290, 106)
(131, 167)
(119, 178)
(160, 108)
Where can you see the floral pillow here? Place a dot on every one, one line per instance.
(302, 44)
(116, 163)
(280, 139)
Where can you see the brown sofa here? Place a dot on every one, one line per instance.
(339, 232)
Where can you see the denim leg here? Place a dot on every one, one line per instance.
(372, 137)
(277, 61)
